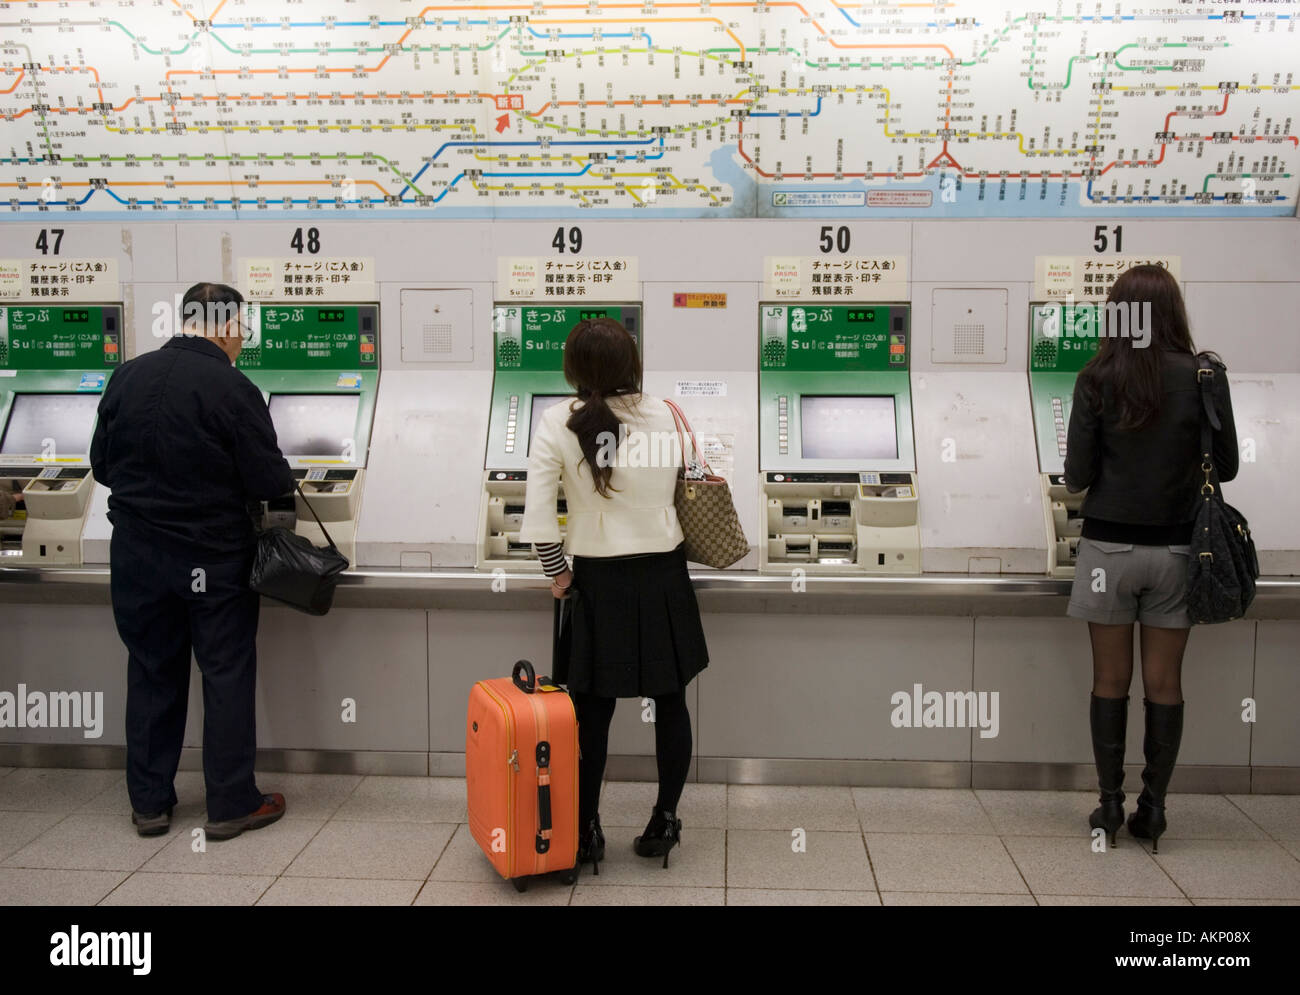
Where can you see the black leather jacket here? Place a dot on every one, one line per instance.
(1150, 477)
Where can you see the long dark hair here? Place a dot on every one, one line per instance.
(601, 360)
(1132, 370)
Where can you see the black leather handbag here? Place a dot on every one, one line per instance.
(289, 569)
(1223, 567)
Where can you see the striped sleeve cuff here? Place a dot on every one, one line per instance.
(552, 556)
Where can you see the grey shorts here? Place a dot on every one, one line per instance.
(1119, 582)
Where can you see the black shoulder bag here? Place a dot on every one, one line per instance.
(1223, 567)
(288, 568)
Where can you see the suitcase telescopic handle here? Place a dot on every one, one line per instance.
(523, 666)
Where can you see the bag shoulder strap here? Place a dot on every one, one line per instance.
(1205, 374)
(679, 419)
(324, 531)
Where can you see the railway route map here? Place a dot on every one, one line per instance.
(175, 109)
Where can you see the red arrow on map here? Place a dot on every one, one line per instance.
(503, 122)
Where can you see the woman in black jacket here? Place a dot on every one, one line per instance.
(1134, 441)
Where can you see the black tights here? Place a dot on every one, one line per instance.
(672, 749)
(1162, 662)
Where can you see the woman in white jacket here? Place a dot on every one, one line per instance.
(636, 624)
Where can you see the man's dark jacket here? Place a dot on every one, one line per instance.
(185, 443)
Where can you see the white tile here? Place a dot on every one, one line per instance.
(93, 842)
(546, 892)
(309, 796)
(1108, 900)
(27, 886)
(1055, 866)
(952, 898)
(191, 798)
(1039, 813)
(386, 850)
(1277, 815)
(762, 806)
(630, 895)
(152, 888)
(406, 799)
(774, 896)
(921, 810)
(462, 860)
(942, 864)
(1246, 901)
(17, 829)
(48, 789)
(336, 891)
(766, 859)
(1230, 868)
(628, 804)
(268, 850)
(1207, 817)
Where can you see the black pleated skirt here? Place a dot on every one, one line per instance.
(636, 629)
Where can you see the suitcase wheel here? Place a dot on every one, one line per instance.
(521, 884)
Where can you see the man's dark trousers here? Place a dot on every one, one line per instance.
(164, 608)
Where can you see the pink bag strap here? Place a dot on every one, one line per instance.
(679, 419)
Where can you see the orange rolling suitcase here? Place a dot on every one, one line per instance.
(521, 772)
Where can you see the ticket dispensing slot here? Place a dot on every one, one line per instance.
(838, 466)
(1062, 339)
(318, 366)
(529, 379)
(56, 361)
(1064, 525)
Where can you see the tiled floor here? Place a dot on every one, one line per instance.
(66, 838)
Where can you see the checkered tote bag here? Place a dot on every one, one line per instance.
(704, 506)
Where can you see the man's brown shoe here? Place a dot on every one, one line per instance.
(271, 810)
(152, 825)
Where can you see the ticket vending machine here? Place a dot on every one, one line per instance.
(318, 366)
(1063, 336)
(836, 454)
(528, 349)
(54, 361)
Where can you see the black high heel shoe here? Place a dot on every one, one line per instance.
(662, 833)
(591, 846)
(1148, 822)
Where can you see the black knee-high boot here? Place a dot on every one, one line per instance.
(1164, 734)
(1108, 718)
